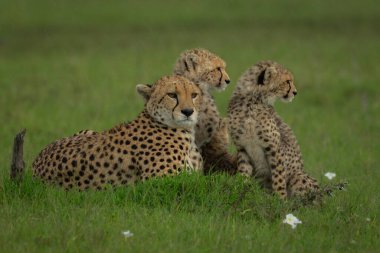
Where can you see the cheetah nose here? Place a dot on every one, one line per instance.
(187, 112)
(295, 93)
(227, 81)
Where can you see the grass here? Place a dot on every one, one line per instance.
(72, 65)
(183, 214)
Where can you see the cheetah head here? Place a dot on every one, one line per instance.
(172, 100)
(275, 82)
(203, 68)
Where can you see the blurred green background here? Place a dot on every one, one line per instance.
(72, 65)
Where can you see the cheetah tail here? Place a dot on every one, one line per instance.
(18, 164)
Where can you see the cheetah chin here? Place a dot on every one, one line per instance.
(221, 87)
(186, 123)
(287, 99)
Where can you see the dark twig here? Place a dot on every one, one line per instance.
(18, 164)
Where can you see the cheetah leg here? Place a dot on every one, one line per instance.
(279, 180)
(301, 184)
(278, 174)
(215, 153)
(195, 161)
(244, 166)
(270, 144)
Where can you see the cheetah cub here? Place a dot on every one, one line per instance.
(208, 71)
(159, 142)
(267, 147)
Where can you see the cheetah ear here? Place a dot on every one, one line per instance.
(145, 90)
(260, 78)
(190, 62)
(268, 75)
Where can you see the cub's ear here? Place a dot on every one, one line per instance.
(191, 62)
(266, 75)
(270, 73)
(145, 90)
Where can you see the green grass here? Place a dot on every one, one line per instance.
(183, 214)
(72, 65)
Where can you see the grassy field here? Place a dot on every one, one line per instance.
(72, 65)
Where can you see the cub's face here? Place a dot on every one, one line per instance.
(203, 68)
(173, 101)
(276, 82)
(216, 77)
(283, 86)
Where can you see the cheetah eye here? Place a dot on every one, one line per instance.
(194, 95)
(219, 69)
(288, 82)
(172, 95)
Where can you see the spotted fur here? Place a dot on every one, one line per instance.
(267, 147)
(208, 71)
(159, 142)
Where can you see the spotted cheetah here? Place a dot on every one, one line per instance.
(159, 142)
(267, 147)
(208, 71)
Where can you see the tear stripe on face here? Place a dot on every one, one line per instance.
(221, 76)
(287, 94)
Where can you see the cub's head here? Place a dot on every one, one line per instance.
(203, 68)
(172, 100)
(273, 81)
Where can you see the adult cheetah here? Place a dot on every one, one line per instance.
(267, 147)
(208, 71)
(159, 142)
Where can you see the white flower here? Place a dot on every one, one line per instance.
(330, 175)
(127, 234)
(292, 220)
